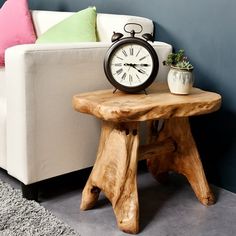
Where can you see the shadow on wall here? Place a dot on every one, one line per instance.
(215, 136)
(215, 141)
(161, 34)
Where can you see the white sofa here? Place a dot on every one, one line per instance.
(41, 136)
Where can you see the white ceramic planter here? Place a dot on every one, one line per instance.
(180, 81)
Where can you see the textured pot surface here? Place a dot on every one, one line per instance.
(180, 81)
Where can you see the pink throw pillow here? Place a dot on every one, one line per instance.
(16, 26)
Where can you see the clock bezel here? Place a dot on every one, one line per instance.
(113, 49)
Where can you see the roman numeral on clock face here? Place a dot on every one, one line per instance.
(117, 64)
(138, 78)
(120, 58)
(125, 53)
(130, 79)
(119, 71)
(131, 51)
(123, 76)
(138, 51)
(142, 58)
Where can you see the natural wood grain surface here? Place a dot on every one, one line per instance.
(184, 159)
(115, 173)
(159, 103)
(170, 149)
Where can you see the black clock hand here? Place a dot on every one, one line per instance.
(132, 64)
(144, 65)
(139, 70)
(128, 64)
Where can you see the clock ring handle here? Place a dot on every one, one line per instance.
(133, 32)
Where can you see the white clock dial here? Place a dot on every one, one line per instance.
(131, 65)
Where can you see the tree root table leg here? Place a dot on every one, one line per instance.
(184, 158)
(115, 172)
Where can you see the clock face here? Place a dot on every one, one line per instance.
(131, 65)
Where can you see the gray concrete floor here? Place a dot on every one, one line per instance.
(171, 210)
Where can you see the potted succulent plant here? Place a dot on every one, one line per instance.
(180, 76)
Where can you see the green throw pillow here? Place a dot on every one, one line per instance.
(80, 27)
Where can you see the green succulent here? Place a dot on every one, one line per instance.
(178, 60)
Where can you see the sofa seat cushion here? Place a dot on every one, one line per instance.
(79, 27)
(16, 25)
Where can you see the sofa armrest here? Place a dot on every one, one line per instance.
(42, 127)
(41, 80)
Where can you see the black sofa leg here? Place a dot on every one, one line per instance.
(30, 191)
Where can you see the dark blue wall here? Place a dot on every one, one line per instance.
(206, 30)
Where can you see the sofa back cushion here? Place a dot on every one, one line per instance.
(79, 27)
(106, 23)
(109, 23)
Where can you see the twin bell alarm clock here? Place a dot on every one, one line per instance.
(131, 63)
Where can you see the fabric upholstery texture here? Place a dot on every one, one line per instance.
(108, 23)
(16, 26)
(80, 27)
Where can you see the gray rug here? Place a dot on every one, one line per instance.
(21, 217)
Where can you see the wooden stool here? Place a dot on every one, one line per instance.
(173, 148)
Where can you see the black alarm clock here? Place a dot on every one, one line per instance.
(131, 64)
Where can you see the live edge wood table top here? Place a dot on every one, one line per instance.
(169, 148)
